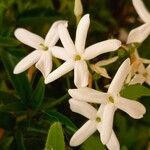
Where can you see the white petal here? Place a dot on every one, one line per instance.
(45, 63)
(83, 133)
(81, 33)
(107, 122)
(118, 80)
(138, 78)
(60, 71)
(141, 69)
(60, 53)
(28, 38)
(81, 74)
(141, 10)
(107, 62)
(148, 79)
(131, 107)
(52, 36)
(148, 69)
(83, 108)
(139, 34)
(100, 48)
(27, 62)
(89, 95)
(66, 40)
(145, 61)
(113, 143)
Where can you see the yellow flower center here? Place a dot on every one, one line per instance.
(77, 58)
(111, 99)
(43, 47)
(98, 119)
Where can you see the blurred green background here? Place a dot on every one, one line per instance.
(28, 108)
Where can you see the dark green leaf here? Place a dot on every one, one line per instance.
(56, 116)
(38, 94)
(20, 82)
(5, 144)
(19, 140)
(55, 138)
(135, 91)
(93, 143)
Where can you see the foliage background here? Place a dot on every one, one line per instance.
(28, 108)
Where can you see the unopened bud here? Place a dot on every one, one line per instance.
(78, 9)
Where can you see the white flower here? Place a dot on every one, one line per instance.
(112, 100)
(139, 34)
(99, 69)
(42, 55)
(142, 75)
(94, 123)
(76, 55)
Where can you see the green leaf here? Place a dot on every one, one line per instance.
(6, 143)
(56, 116)
(8, 42)
(38, 94)
(7, 120)
(55, 138)
(13, 107)
(20, 82)
(135, 91)
(19, 141)
(94, 143)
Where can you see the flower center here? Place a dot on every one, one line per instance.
(43, 47)
(77, 58)
(111, 99)
(98, 119)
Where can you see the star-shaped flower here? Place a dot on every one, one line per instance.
(139, 34)
(112, 100)
(94, 123)
(42, 55)
(76, 55)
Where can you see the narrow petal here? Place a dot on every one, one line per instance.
(66, 40)
(118, 80)
(148, 79)
(27, 62)
(113, 143)
(145, 61)
(45, 63)
(81, 33)
(148, 69)
(141, 69)
(131, 107)
(81, 74)
(28, 38)
(107, 122)
(139, 34)
(138, 78)
(89, 95)
(52, 36)
(60, 53)
(100, 48)
(83, 108)
(60, 71)
(141, 10)
(83, 133)
(107, 62)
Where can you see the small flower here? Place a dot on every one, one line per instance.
(112, 100)
(139, 34)
(94, 123)
(99, 69)
(42, 54)
(76, 55)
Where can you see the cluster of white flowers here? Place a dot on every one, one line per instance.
(76, 56)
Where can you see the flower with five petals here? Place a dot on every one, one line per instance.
(112, 100)
(94, 123)
(75, 55)
(42, 54)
